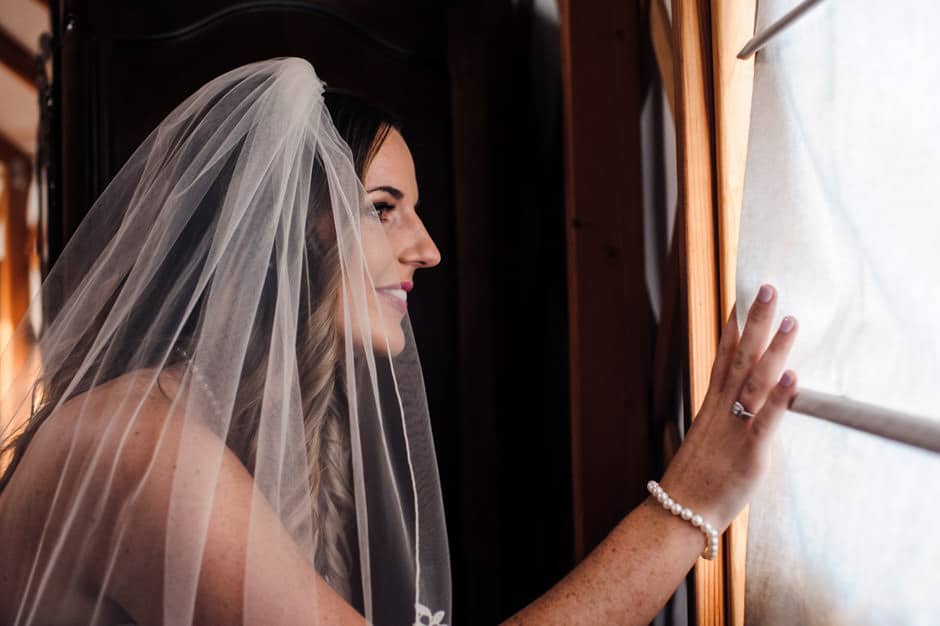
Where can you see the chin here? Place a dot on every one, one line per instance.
(395, 338)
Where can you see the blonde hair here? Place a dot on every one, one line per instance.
(326, 425)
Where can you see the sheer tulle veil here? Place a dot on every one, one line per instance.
(218, 314)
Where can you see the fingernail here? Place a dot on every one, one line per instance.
(787, 324)
(765, 294)
(787, 379)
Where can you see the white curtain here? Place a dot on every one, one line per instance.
(841, 213)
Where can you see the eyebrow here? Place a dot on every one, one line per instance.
(395, 192)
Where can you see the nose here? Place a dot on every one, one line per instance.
(420, 251)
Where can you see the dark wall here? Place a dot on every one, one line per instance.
(490, 321)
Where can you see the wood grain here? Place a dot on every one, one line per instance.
(609, 318)
(698, 253)
(732, 24)
(18, 251)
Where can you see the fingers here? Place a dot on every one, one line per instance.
(726, 348)
(766, 373)
(756, 329)
(767, 421)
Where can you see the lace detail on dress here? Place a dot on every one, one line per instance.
(424, 617)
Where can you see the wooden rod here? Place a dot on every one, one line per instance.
(913, 430)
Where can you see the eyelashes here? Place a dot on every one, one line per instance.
(382, 208)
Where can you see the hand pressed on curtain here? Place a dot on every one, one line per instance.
(629, 577)
(723, 458)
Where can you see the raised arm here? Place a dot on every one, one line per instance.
(629, 577)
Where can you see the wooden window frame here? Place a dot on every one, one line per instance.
(708, 91)
(711, 99)
(19, 253)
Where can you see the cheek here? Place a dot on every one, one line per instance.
(384, 328)
(377, 252)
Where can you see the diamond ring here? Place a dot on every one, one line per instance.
(738, 410)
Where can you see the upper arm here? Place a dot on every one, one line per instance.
(251, 571)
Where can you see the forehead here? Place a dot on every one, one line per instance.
(393, 166)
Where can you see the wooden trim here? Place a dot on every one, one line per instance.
(298, 8)
(732, 25)
(9, 151)
(698, 260)
(18, 247)
(6, 323)
(16, 57)
(610, 321)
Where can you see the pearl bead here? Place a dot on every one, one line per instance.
(711, 533)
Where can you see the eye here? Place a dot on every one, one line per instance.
(382, 208)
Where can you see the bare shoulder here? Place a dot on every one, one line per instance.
(78, 484)
(100, 445)
(98, 417)
(89, 432)
(170, 505)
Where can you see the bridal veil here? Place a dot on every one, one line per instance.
(217, 308)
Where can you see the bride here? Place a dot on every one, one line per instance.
(225, 421)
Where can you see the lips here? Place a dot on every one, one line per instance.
(395, 296)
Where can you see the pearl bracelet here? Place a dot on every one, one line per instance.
(711, 534)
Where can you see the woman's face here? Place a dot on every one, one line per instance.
(397, 245)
